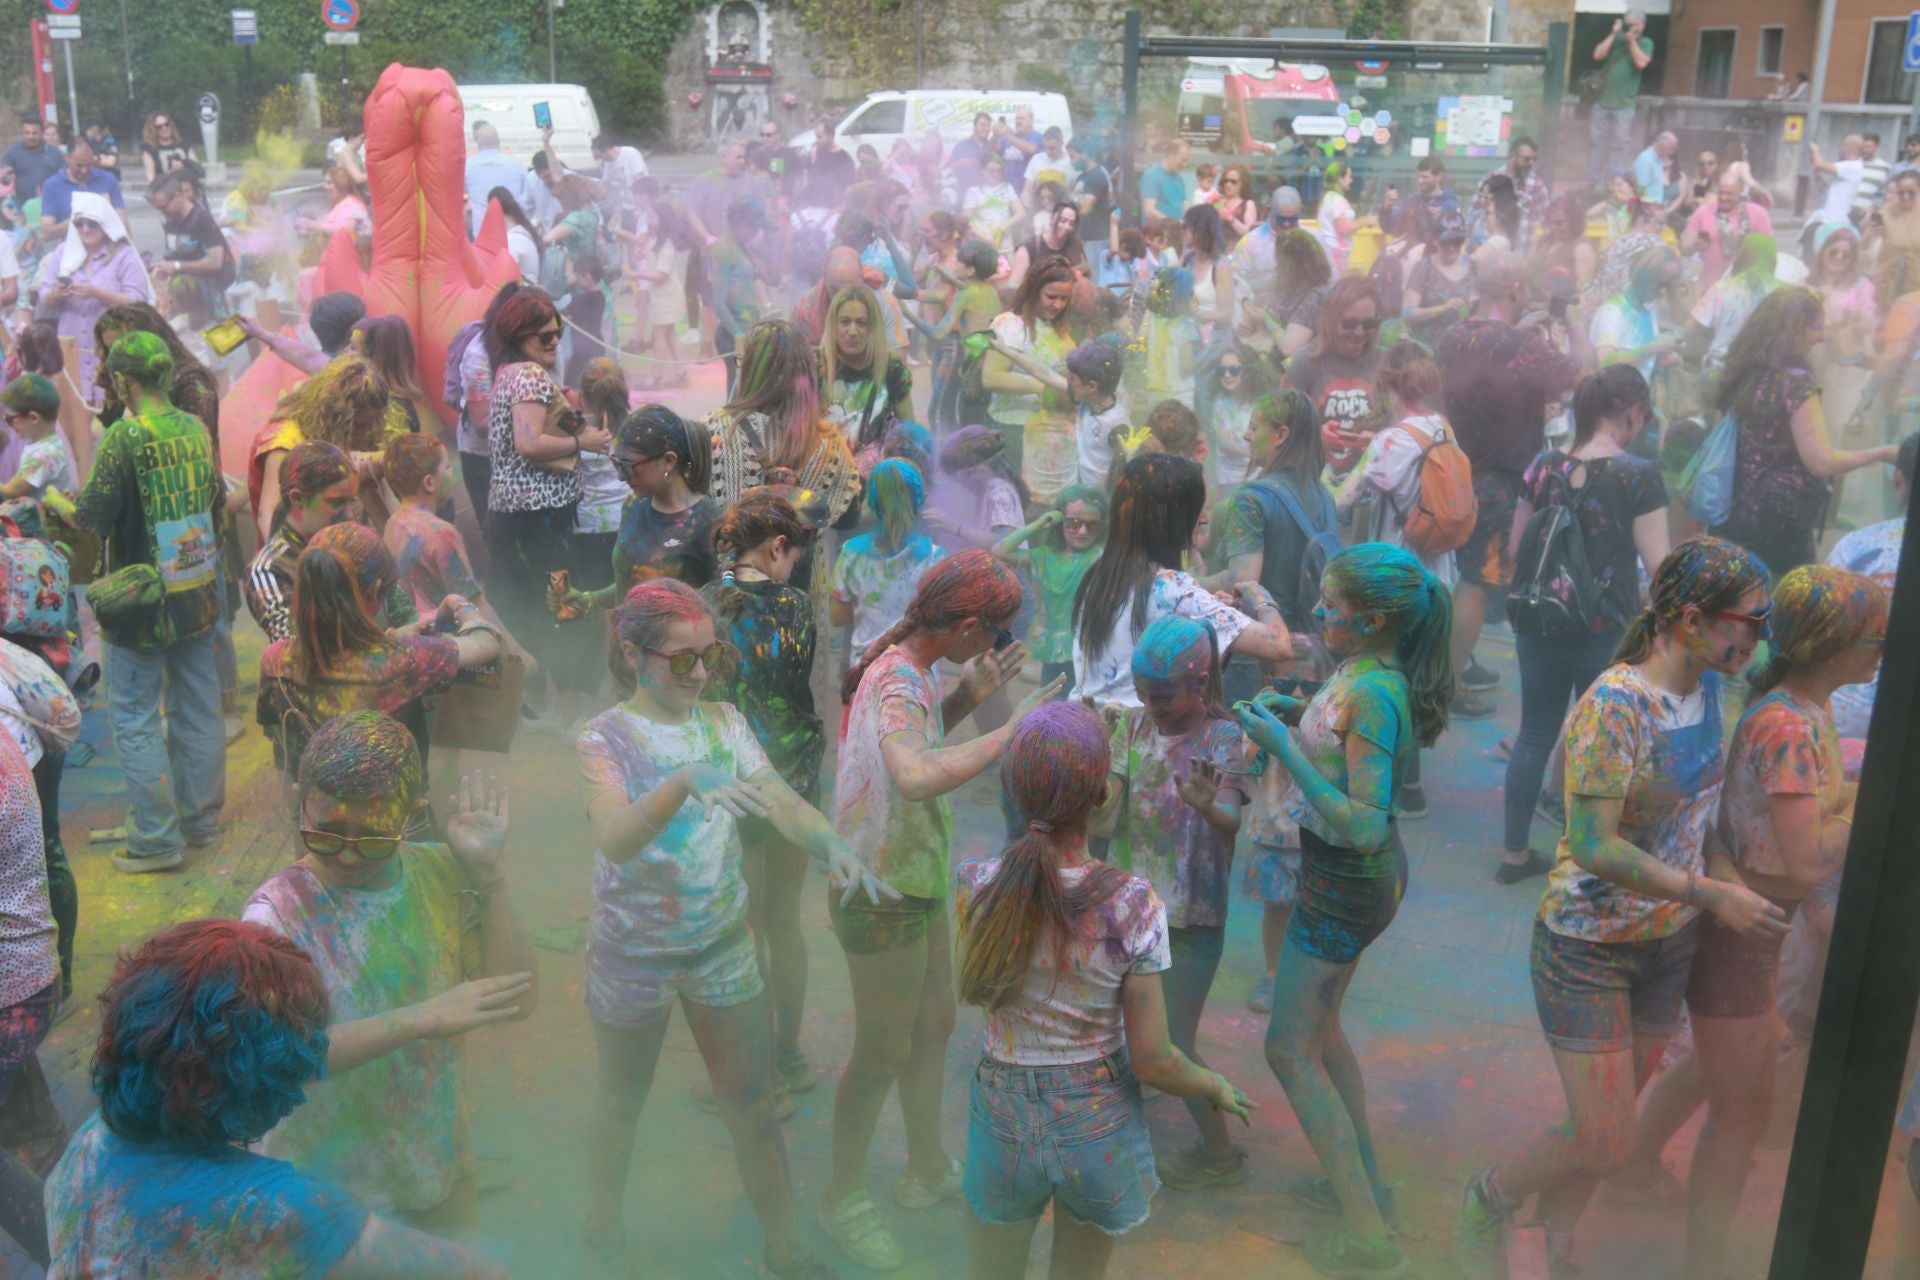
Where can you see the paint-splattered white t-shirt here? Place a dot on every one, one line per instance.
(1107, 676)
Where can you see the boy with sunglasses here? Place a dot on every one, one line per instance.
(395, 929)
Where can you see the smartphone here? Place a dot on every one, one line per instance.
(1557, 306)
(225, 336)
(542, 116)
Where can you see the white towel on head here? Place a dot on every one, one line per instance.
(96, 208)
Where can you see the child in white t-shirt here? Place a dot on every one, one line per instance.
(32, 407)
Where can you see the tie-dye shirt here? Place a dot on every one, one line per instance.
(880, 584)
(683, 892)
(1660, 755)
(431, 557)
(1069, 1012)
(394, 1129)
(120, 1208)
(1784, 746)
(771, 626)
(905, 842)
(1361, 697)
(1184, 857)
(390, 678)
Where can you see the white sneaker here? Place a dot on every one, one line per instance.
(911, 1193)
(856, 1226)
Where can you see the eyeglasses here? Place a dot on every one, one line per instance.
(625, 467)
(85, 223)
(1001, 636)
(681, 661)
(1760, 623)
(328, 844)
(548, 337)
(1284, 220)
(1350, 325)
(1231, 370)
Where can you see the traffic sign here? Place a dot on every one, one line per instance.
(341, 37)
(341, 15)
(1909, 60)
(63, 26)
(246, 26)
(63, 6)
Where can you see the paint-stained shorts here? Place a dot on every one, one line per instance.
(624, 993)
(1347, 899)
(1733, 976)
(1484, 558)
(1273, 875)
(868, 928)
(1075, 1135)
(1593, 997)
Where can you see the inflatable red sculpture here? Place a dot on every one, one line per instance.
(423, 268)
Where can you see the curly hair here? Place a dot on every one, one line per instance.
(209, 1033)
(1776, 338)
(335, 403)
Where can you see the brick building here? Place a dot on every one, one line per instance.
(1743, 49)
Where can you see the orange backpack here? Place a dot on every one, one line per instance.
(1444, 508)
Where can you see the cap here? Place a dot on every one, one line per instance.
(31, 393)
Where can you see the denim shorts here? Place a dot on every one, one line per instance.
(1592, 997)
(1075, 1135)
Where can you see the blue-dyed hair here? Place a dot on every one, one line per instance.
(911, 442)
(895, 492)
(1177, 648)
(209, 1033)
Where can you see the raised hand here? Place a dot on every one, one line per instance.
(1044, 694)
(1201, 785)
(984, 675)
(477, 825)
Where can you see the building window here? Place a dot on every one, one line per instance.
(1713, 62)
(1773, 46)
(1885, 81)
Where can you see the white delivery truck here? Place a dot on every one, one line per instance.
(510, 109)
(882, 118)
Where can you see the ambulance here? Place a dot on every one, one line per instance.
(1235, 106)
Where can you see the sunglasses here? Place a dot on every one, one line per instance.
(1001, 636)
(625, 467)
(548, 337)
(1359, 326)
(1071, 523)
(1280, 220)
(1761, 623)
(328, 844)
(84, 223)
(1231, 370)
(681, 661)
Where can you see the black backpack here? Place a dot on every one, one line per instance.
(1555, 595)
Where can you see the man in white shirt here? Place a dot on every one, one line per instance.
(1843, 183)
(1253, 261)
(1874, 171)
(488, 168)
(620, 167)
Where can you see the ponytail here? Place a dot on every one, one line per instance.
(1054, 772)
(1426, 658)
(654, 430)
(1416, 607)
(968, 584)
(1705, 573)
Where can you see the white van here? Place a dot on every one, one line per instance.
(910, 113)
(509, 108)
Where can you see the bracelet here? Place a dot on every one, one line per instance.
(494, 886)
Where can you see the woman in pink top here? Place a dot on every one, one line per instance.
(1065, 953)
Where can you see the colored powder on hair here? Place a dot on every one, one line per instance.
(1174, 648)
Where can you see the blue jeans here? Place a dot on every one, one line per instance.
(1553, 675)
(1609, 143)
(176, 777)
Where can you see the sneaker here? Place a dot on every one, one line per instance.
(1338, 1252)
(134, 866)
(1663, 1191)
(1475, 678)
(1260, 999)
(1412, 804)
(1551, 808)
(203, 840)
(1191, 1170)
(1537, 864)
(1479, 1232)
(1468, 707)
(797, 1072)
(806, 1266)
(856, 1226)
(911, 1193)
(1316, 1193)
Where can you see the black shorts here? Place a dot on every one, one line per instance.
(1593, 997)
(1734, 976)
(1347, 899)
(1484, 559)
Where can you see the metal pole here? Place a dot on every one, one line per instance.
(1913, 117)
(553, 73)
(73, 98)
(1129, 104)
(126, 57)
(1559, 35)
(346, 98)
(919, 46)
(1822, 49)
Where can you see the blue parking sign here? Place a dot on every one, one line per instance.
(1910, 56)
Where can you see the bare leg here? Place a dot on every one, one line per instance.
(1469, 616)
(1737, 1057)
(739, 1055)
(924, 1076)
(1186, 986)
(996, 1252)
(1674, 1096)
(886, 1001)
(628, 1056)
(1080, 1252)
(1273, 928)
(776, 873)
(1306, 1008)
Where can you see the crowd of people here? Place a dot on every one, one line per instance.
(1181, 512)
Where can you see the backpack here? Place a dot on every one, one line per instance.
(451, 390)
(33, 585)
(1555, 595)
(1444, 509)
(1708, 480)
(1322, 546)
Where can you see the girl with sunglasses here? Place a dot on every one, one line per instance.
(1619, 924)
(1060, 547)
(668, 777)
(895, 772)
(1338, 367)
(1785, 818)
(386, 922)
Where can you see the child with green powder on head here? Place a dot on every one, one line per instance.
(395, 929)
(1059, 549)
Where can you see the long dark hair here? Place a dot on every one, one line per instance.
(1054, 772)
(1606, 394)
(1156, 506)
(1203, 223)
(1705, 573)
(511, 207)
